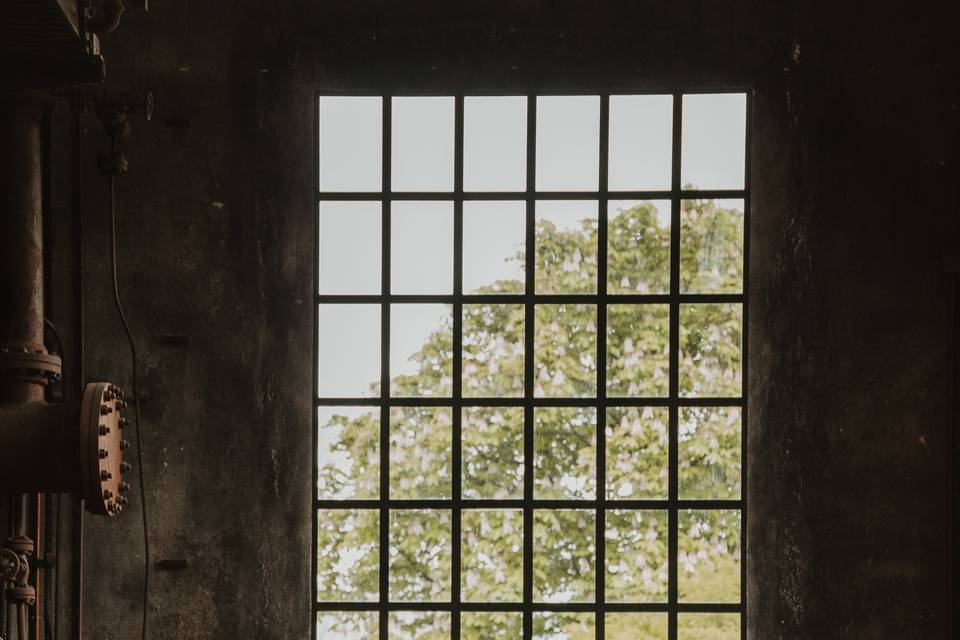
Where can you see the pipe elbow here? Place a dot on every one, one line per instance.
(108, 19)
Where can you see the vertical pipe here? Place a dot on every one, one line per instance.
(21, 236)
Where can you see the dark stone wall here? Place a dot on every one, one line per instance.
(854, 158)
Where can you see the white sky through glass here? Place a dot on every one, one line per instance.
(641, 142)
(421, 247)
(494, 143)
(350, 247)
(714, 134)
(350, 143)
(568, 143)
(348, 350)
(422, 144)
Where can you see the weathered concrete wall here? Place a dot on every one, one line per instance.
(855, 139)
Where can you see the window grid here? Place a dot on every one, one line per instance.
(673, 505)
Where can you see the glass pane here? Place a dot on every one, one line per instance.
(419, 625)
(492, 440)
(348, 453)
(565, 350)
(492, 565)
(714, 140)
(565, 453)
(492, 625)
(564, 550)
(348, 556)
(641, 142)
(421, 350)
(550, 625)
(637, 452)
(637, 556)
(351, 137)
(710, 355)
(710, 453)
(419, 555)
(638, 350)
(638, 254)
(421, 247)
(494, 246)
(708, 556)
(348, 625)
(495, 143)
(350, 247)
(712, 626)
(422, 144)
(421, 441)
(711, 246)
(566, 260)
(636, 626)
(348, 347)
(493, 350)
(568, 143)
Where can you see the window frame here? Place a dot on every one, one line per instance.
(673, 505)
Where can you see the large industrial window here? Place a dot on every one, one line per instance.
(530, 367)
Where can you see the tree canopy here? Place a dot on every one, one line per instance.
(565, 446)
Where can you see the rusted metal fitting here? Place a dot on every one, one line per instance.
(20, 544)
(22, 594)
(20, 364)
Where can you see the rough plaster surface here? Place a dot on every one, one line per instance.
(855, 138)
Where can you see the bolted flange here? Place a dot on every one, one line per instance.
(101, 462)
(23, 594)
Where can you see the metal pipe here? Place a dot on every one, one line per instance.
(21, 238)
(40, 449)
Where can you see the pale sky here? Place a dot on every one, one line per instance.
(422, 143)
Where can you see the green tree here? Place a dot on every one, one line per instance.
(565, 443)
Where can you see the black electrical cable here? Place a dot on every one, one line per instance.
(136, 404)
(55, 334)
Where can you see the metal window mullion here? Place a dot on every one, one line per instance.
(637, 401)
(528, 368)
(515, 298)
(701, 194)
(386, 227)
(513, 503)
(674, 374)
(517, 607)
(743, 388)
(314, 595)
(600, 536)
(457, 514)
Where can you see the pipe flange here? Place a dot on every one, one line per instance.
(20, 544)
(29, 365)
(22, 594)
(101, 448)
